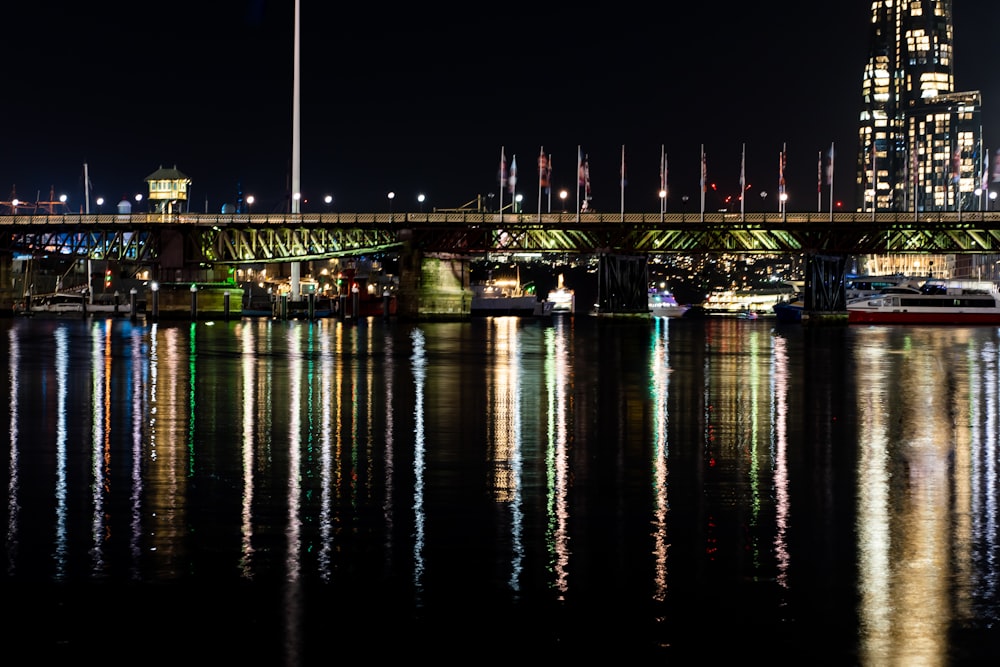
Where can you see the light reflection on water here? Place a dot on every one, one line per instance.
(575, 482)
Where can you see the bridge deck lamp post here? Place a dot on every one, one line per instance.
(391, 196)
(420, 200)
(249, 200)
(993, 198)
(663, 203)
(562, 199)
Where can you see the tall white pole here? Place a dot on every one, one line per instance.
(831, 181)
(86, 190)
(296, 147)
(541, 168)
(579, 175)
(623, 184)
(743, 182)
(704, 183)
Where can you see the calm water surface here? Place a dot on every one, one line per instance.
(501, 489)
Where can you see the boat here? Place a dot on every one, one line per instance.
(507, 297)
(734, 302)
(933, 302)
(662, 303)
(563, 299)
(789, 311)
(74, 303)
(859, 286)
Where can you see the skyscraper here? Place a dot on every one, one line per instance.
(920, 142)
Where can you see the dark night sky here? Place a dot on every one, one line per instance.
(421, 98)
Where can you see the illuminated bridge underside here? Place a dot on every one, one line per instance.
(239, 239)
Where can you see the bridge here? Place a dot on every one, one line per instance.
(185, 240)
(270, 238)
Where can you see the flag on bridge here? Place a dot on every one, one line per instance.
(543, 169)
(984, 184)
(782, 162)
(502, 174)
(512, 178)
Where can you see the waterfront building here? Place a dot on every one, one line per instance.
(920, 141)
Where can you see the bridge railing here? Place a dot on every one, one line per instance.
(472, 218)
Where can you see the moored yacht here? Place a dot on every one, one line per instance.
(934, 302)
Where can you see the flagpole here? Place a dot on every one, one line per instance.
(86, 189)
(782, 199)
(541, 160)
(548, 179)
(623, 184)
(704, 176)
(819, 182)
(503, 179)
(874, 181)
(579, 173)
(663, 181)
(743, 183)
(831, 181)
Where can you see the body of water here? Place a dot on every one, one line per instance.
(292, 492)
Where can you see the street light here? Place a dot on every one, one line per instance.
(663, 202)
(562, 198)
(249, 200)
(518, 198)
(391, 195)
(100, 203)
(763, 200)
(420, 200)
(783, 197)
(993, 198)
(62, 200)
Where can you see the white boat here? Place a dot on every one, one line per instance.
(563, 299)
(760, 301)
(933, 302)
(69, 303)
(662, 303)
(859, 286)
(507, 297)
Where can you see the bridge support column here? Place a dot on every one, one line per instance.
(824, 289)
(623, 285)
(433, 286)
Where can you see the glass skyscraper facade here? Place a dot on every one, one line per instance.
(920, 142)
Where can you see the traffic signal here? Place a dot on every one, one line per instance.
(107, 277)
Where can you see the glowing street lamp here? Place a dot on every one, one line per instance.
(663, 202)
(100, 203)
(249, 200)
(420, 200)
(993, 198)
(517, 200)
(562, 198)
(391, 196)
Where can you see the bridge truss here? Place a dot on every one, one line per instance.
(243, 239)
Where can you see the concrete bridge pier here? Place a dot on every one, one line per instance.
(433, 285)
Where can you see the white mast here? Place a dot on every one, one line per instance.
(296, 152)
